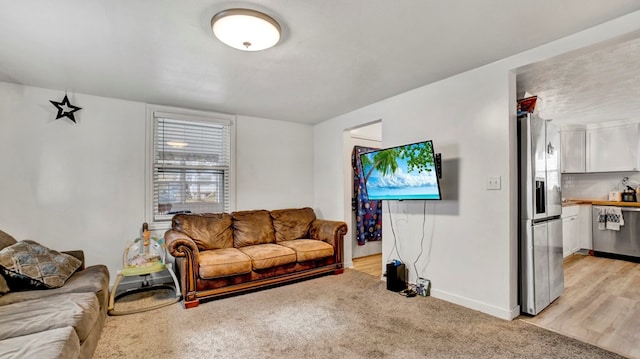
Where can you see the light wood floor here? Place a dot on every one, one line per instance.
(600, 304)
(370, 264)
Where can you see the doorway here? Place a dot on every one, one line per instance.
(369, 135)
(588, 86)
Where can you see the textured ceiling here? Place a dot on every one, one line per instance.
(334, 57)
(598, 84)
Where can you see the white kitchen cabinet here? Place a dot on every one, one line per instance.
(613, 147)
(570, 230)
(569, 235)
(585, 240)
(573, 151)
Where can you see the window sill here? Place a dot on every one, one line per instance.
(157, 229)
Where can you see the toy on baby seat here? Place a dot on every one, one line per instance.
(142, 257)
(144, 254)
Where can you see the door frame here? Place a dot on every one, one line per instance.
(352, 137)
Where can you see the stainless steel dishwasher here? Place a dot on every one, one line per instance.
(626, 241)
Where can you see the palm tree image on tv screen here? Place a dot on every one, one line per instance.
(403, 172)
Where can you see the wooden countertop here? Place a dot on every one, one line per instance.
(599, 202)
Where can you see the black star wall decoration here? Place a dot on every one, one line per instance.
(65, 108)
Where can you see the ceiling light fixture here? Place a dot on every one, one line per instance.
(245, 29)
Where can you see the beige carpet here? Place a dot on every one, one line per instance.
(346, 316)
(150, 299)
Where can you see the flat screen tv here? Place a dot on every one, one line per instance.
(401, 173)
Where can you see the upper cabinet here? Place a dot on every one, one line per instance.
(573, 151)
(613, 147)
(606, 147)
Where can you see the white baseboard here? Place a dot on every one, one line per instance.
(502, 313)
(515, 312)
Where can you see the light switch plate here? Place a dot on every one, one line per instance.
(494, 182)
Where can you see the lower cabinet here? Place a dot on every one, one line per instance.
(585, 239)
(570, 232)
(576, 229)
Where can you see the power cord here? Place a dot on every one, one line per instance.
(423, 289)
(413, 290)
(424, 219)
(423, 285)
(395, 240)
(409, 292)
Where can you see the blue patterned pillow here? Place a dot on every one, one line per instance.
(28, 265)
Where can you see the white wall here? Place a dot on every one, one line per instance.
(81, 186)
(72, 186)
(471, 236)
(274, 164)
(468, 246)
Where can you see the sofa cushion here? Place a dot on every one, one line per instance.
(269, 255)
(4, 287)
(208, 230)
(252, 227)
(93, 279)
(309, 249)
(77, 310)
(6, 240)
(29, 265)
(290, 224)
(60, 343)
(222, 263)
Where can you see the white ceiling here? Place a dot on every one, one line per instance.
(334, 57)
(592, 85)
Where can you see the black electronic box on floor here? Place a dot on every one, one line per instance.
(396, 276)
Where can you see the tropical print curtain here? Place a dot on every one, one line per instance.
(368, 213)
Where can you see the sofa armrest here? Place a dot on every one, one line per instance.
(328, 231)
(179, 243)
(184, 248)
(79, 254)
(331, 232)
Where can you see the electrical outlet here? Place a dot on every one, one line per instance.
(493, 182)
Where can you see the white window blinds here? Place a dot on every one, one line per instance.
(191, 164)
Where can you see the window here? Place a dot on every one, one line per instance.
(191, 165)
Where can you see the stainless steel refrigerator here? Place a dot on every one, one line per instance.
(540, 197)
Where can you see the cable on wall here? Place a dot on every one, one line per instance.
(424, 219)
(424, 213)
(395, 240)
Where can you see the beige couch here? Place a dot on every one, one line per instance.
(64, 322)
(225, 253)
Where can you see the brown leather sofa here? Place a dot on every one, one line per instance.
(64, 322)
(220, 254)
